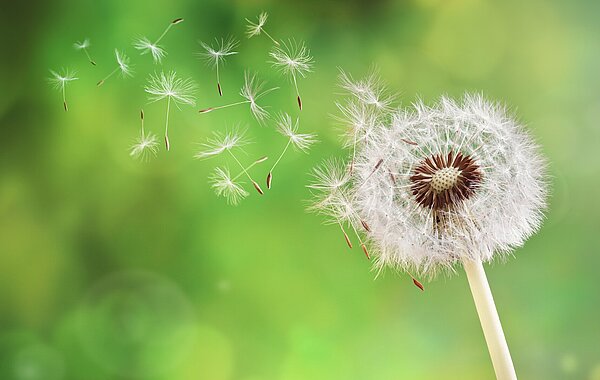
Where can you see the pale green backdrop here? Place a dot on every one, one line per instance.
(115, 269)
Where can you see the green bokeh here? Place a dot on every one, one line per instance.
(111, 268)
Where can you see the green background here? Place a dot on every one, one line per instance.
(115, 269)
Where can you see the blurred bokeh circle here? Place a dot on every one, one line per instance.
(137, 324)
(23, 356)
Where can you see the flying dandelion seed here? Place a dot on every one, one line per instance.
(145, 46)
(293, 59)
(258, 27)
(252, 91)
(225, 186)
(455, 183)
(216, 54)
(60, 81)
(301, 141)
(123, 67)
(228, 187)
(84, 45)
(226, 142)
(146, 145)
(169, 86)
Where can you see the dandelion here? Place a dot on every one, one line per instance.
(145, 46)
(294, 60)
(84, 45)
(252, 91)
(169, 86)
(123, 67)
(258, 27)
(226, 142)
(301, 141)
(216, 54)
(60, 81)
(226, 186)
(455, 183)
(146, 145)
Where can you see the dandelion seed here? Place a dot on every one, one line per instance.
(221, 142)
(252, 91)
(60, 81)
(294, 60)
(226, 142)
(468, 185)
(123, 67)
(216, 54)
(301, 141)
(369, 90)
(256, 28)
(146, 145)
(226, 186)
(145, 46)
(84, 45)
(169, 86)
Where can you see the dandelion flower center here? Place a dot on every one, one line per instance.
(441, 182)
(444, 179)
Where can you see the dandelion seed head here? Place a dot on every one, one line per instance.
(60, 79)
(167, 85)
(289, 128)
(224, 185)
(215, 54)
(146, 46)
(255, 28)
(459, 180)
(221, 142)
(144, 147)
(124, 65)
(292, 58)
(80, 45)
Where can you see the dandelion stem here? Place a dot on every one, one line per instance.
(270, 174)
(206, 110)
(260, 160)
(256, 186)
(167, 124)
(88, 56)
(271, 38)
(64, 94)
(297, 92)
(281, 155)
(108, 76)
(362, 243)
(490, 321)
(163, 33)
(218, 80)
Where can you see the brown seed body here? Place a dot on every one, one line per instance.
(418, 284)
(269, 179)
(257, 187)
